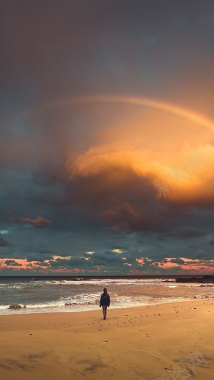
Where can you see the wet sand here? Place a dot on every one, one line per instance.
(134, 343)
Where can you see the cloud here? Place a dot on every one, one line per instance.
(39, 222)
(38, 256)
(115, 194)
(211, 242)
(3, 242)
(73, 263)
(192, 246)
(177, 261)
(188, 232)
(12, 263)
(201, 254)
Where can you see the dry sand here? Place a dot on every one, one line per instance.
(132, 343)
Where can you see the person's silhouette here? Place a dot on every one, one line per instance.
(105, 302)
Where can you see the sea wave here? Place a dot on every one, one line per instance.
(102, 282)
(53, 295)
(85, 304)
(99, 282)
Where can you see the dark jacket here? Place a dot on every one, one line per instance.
(105, 299)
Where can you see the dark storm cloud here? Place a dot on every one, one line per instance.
(188, 232)
(12, 263)
(117, 204)
(73, 263)
(3, 242)
(161, 238)
(106, 258)
(132, 255)
(120, 247)
(37, 252)
(211, 242)
(171, 209)
(203, 255)
(177, 261)
(39, 257)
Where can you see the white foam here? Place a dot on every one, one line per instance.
(59, 307)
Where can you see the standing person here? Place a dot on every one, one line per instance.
(105, 302)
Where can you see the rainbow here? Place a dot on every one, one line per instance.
(144, 102)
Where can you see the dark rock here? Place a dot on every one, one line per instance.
(15, 307)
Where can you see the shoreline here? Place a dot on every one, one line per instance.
(67, 308)
(109, 310)
(138, 343)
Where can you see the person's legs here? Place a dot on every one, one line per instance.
(105, 311)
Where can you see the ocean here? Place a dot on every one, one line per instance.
(39, 294)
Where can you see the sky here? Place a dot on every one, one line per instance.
(106, 137)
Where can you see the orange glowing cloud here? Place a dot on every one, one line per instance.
(17, 264)
(191, 265)
(35, 266)
(144, 141)
(163, 134)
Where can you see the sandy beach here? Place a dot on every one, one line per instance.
(134, 343)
